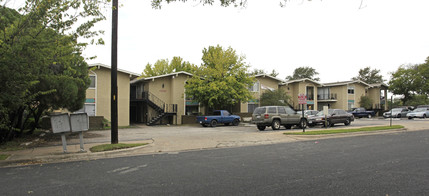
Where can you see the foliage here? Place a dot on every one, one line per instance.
(304, 72)
(275, 97)
(333, 131)
(162, 67)
(418, 100)
(41, 65)
(109, 147)
(221, 80)
(225, 3)
(255, 72)
(369, 76)
(410, 80)
(365, 102)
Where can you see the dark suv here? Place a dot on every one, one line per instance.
(276, 116)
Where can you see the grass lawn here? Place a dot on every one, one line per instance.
(4, 156)
(333, 131)
(109, 147)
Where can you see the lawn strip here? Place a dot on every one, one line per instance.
(109, 147)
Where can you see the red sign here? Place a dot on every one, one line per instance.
(302, 99)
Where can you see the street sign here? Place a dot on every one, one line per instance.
(302, 99)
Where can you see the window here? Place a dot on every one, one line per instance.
(351, 90)
(282, 110)
(289, 110)
(255, 87)
(92, 84)
(251, 107)
(272, 110)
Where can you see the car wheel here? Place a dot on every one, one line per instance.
(409, 118)
(329, 124)
(213, 123)
(235, 122)
(261, 127)
(399, 115)
(275, 125)
(303, 123)
(424, 116)
(347, 123)
(369, 116)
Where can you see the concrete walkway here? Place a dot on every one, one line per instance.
(174, 139)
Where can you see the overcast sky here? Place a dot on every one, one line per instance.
(336, 37)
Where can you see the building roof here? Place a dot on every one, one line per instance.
(265, 75)
(98, 65)
(161, 76)
(379, 85)
(346, 83)
(303, 80)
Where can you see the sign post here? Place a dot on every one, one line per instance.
(302, 100)
(326, 112)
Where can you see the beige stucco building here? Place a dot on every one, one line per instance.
(97, 101)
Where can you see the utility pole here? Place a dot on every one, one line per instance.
(114, 75)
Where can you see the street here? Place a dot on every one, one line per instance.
(382, 164)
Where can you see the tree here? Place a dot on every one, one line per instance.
(304, 72)
(221, 80)
(162, 67)
(369, 76)
(260, 71)
(403, 82)
(275, 97)
(225, 3)
(40, 59)
(365, 102)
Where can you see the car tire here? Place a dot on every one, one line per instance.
(409, 118)
(424, 116)
(303, 123)
(399, 116)
(235, 122)
(347, 123)
(276, 124)
(329, 124)
(213, 123)
(261, 127)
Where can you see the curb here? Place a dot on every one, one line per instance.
(74, 156)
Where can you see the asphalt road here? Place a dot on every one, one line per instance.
(385, 164)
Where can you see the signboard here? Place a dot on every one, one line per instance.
(60, 123)
(325, 110)
(79, 122)
(302, 99)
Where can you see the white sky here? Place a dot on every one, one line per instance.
(333, 36)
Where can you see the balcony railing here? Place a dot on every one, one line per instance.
(332, 96)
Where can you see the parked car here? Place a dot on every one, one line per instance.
(219, 116)
(421, 112)
(396, 113)
(362, 112)
(310, 112)
(334, 116)
(276, 116)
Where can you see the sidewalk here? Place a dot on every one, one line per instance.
(164, 139)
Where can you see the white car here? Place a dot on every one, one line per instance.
(418, 113)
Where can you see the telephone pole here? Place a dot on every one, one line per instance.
(114, 76)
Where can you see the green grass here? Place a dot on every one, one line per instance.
(109, 147)
(4, 156)
(333, 131)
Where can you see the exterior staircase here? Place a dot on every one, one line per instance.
(161, 108)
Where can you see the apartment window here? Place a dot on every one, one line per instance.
(254, 87)
(351, 90)
(92, 84)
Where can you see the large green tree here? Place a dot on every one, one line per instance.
(369, 76)
(275, 97)
(40, 59)
(410, 80)
(255, 72)
(304, 72)
(163, 66)
(221, 80)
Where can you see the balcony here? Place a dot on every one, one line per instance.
(327, 97)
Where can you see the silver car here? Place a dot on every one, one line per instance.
(396, 113)
(276, 116)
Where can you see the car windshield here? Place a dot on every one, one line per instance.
(259, 111)
(330, 111)
(420, 110)
(397, 110)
